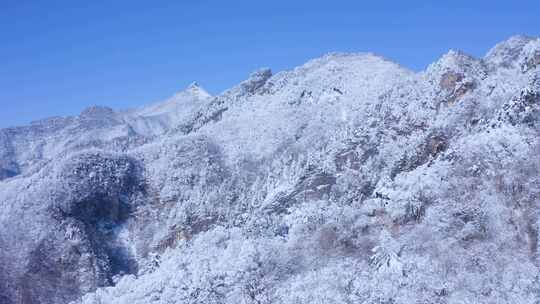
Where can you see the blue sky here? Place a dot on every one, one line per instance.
(58, 57)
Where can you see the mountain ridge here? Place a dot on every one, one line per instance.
(347, 179)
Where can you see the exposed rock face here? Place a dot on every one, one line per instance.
(532, 60)
(346, 180)
(256, 80)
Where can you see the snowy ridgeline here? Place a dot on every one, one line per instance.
(349, 179)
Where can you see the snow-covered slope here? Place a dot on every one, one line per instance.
(159, 118)
(349, 179)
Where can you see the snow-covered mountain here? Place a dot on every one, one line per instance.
(349, 179)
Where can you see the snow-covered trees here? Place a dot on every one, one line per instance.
(347, 180)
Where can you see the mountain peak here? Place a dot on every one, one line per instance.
(96, 112)
(194, 85)
(256, 80)
(262, 73)
(346, 58)
(457, 63)
(456, 59)
(194, 89)
(507, 53)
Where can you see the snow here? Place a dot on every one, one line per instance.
(349, 179)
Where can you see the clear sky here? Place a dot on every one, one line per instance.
(58, 57)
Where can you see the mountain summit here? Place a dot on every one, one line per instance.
(349, 179)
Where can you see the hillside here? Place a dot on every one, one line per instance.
(349, 179)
